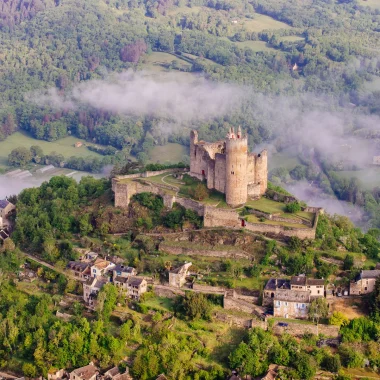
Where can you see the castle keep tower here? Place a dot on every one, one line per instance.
(227, 167)
(236, 168)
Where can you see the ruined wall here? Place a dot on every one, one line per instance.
(240, 305)
(216, 217)
(191, 204)
(178, 250)
(165, 291)
(220, 172)
(123, 193)
(251, 168)
(261, 171)
(302, 233)
(300, 329)
(208, 289)
(279, 197)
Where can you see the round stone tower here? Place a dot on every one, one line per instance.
(236, 168)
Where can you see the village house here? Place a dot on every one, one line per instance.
(292, 298)
(101, 267)
(6, 208)
(88, 372)
(364, 282)
(291, 303)
(56, 374)
(123, 271)
(115, 374)
(314, 285)
(270, 288)
(80, 269)
(177, 277)
(91, 289)
(136, 286)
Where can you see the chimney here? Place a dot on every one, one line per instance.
(275, 282)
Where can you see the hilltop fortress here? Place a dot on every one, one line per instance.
(228, 167)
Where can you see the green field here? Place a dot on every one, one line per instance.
(291, 38)
(63, 146)
(256, 46)
(262, 22)
(368, 178)
(158, 62)
(170, 153)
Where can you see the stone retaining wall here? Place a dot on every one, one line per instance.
(302, 233)
(219, 217)
(299, 329)
(208, 289)
(165, 291)
(198, 252)
(191, 204)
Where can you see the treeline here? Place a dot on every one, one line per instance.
(22, 156)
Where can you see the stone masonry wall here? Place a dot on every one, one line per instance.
(302, 233)
(173, 250)
(191, 204)
(217, 217)
(208, 289)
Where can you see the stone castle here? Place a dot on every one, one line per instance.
(228, 167)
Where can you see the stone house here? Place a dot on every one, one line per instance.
(101, 267)
(57, 375)
(123, 271)
(291, 303)
(6, 208)
(177, 276)
(315, 286)
(364, 283)
(80, 269)
(115, 374)
(91, 289)
(88, 372)
(270, 288)
(133, 286)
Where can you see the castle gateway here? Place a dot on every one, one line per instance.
(229, 168)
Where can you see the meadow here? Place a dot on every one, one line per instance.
(262, 22)
(63, 146)
(170, 153)
(256, 46)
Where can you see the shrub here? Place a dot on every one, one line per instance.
(293, 207)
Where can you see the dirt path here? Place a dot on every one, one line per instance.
(52, 267)
(169, 184)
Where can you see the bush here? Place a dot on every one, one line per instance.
(293, 207)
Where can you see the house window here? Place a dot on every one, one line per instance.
(365, 288)
(94, 270)
(297, 305)
(303, 306)
(319, 291)
(278, 303)
(286, 304)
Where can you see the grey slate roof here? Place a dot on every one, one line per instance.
(281, 284)
(123, 269)
(4, 203)
(367, 274)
